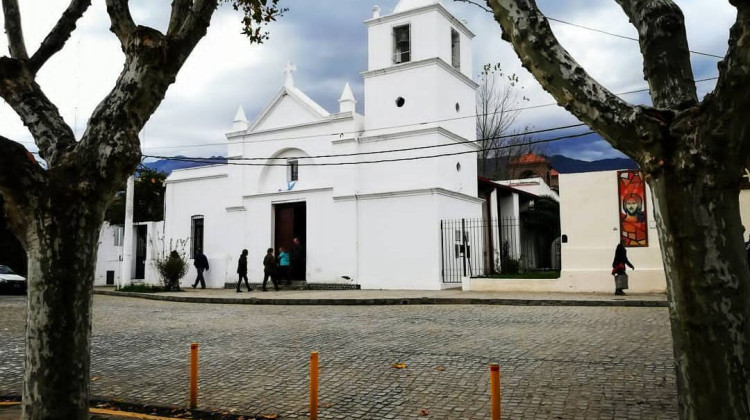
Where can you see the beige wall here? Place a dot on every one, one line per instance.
(745, 210)
(589, 216)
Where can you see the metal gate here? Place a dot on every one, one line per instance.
(483, 247)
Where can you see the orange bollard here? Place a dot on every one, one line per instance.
(193, 375)
(495, 391)
(314, 385)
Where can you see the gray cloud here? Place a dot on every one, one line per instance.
(327, 40)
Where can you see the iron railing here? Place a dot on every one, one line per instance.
(482, 247)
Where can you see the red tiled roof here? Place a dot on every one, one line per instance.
(531, 158)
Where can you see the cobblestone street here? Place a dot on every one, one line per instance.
(556, 362)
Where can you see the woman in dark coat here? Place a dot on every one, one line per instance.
(242, 272)
(618, 268)
(269, 268)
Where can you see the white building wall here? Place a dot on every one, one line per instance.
(589, 216)
(430, 37)
(202, 191)
(109, 256)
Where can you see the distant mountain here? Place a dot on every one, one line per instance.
(169, 165)
(562, 164)
(566, 165)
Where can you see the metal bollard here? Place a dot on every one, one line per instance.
(495, 391)
(314, 385)
(193, 375)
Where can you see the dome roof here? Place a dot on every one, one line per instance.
(404, 5)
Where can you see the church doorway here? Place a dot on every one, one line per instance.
(141, 234)
(291, 222)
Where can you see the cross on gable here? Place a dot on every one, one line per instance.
(288, 69)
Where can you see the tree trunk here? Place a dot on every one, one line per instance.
(702, 245)
(62, 258)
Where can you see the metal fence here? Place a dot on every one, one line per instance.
(480, 247)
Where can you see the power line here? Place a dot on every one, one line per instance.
(488, 10)
(622, 36)
(408, 149)
(412, 124)
(230, 161)
(416, 124)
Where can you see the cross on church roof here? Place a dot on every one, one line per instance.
(288, 69)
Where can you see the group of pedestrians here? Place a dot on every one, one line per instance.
(277, 268)
(280, 269)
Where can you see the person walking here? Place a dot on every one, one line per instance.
(284, 263)
(242, 272)
(269, 268)
(201, 264)
(618, 269)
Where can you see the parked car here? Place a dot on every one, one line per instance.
(10, 281)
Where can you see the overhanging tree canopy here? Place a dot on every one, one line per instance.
(692, 154)
(57, 212)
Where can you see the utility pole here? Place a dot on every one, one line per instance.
(126, 270)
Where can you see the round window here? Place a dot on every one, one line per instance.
(400, 102)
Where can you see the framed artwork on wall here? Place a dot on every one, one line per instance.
(632, 204)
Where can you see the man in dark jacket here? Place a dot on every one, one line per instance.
(242, 272)
(269, 268)
(298, 260)
(200, 263)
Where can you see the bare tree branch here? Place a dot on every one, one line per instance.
(122, 21)
(180, 13)
(666, 55)
(620, 123)
(730, 95)
(21, 178)
(19, 89)
(14, 30)
(60, 34)
(197, 21)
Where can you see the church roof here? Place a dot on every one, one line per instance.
(314, 110)
(531, 158)
(404, 5)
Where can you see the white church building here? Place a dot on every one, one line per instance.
(361, 192)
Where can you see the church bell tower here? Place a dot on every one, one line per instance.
(419, 69)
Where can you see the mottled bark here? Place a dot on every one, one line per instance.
(666, 63)
(13, 30)
(692, 155)
(62, 248)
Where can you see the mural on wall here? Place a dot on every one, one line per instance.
(632, 196)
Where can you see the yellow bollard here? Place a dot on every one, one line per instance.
(193, 375)
(314, 385)
(495, 391)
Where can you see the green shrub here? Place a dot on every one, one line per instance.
(173, 266)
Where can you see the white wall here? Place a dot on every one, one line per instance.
(430, 37)
(535, 186)
(109, 255)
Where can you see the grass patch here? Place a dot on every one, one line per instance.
(527, 275)
(141, 288)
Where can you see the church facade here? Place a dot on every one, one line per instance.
(361, 192)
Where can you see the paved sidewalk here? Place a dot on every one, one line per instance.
(396, 297)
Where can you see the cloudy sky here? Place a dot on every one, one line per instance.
(327, 41)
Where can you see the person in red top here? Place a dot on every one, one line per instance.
(618, 268)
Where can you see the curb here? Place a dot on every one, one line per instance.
(391, 301)
(122, 408)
